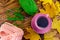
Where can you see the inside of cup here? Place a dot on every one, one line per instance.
(42, 22)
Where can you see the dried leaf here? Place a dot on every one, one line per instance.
(47, 1)
(56, 24)
(58, 6)
(53, 38)
(48, 10)
(32, 35)
(51, 34)
(49, 6)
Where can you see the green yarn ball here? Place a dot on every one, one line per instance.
(29, 6)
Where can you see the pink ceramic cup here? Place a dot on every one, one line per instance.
(36, 28)
(10, 32)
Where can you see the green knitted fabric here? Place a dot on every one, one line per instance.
(29, 6)
(18, 16)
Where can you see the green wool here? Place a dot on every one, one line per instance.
(29, 6)
(18, 16)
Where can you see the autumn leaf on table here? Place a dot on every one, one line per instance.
(57, 4)
(42, 11)
(32, 35)
(48, 6)
(54, 38)
(51, 35)
(56, 24)
(47, 1)
(48, 10)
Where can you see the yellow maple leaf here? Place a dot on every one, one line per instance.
(47, 1)
(32, 35)
(56, 24)
(50, 8)
(56, 38)
(53, 38)
(42, 11)
(57, 4)
(50, 34)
